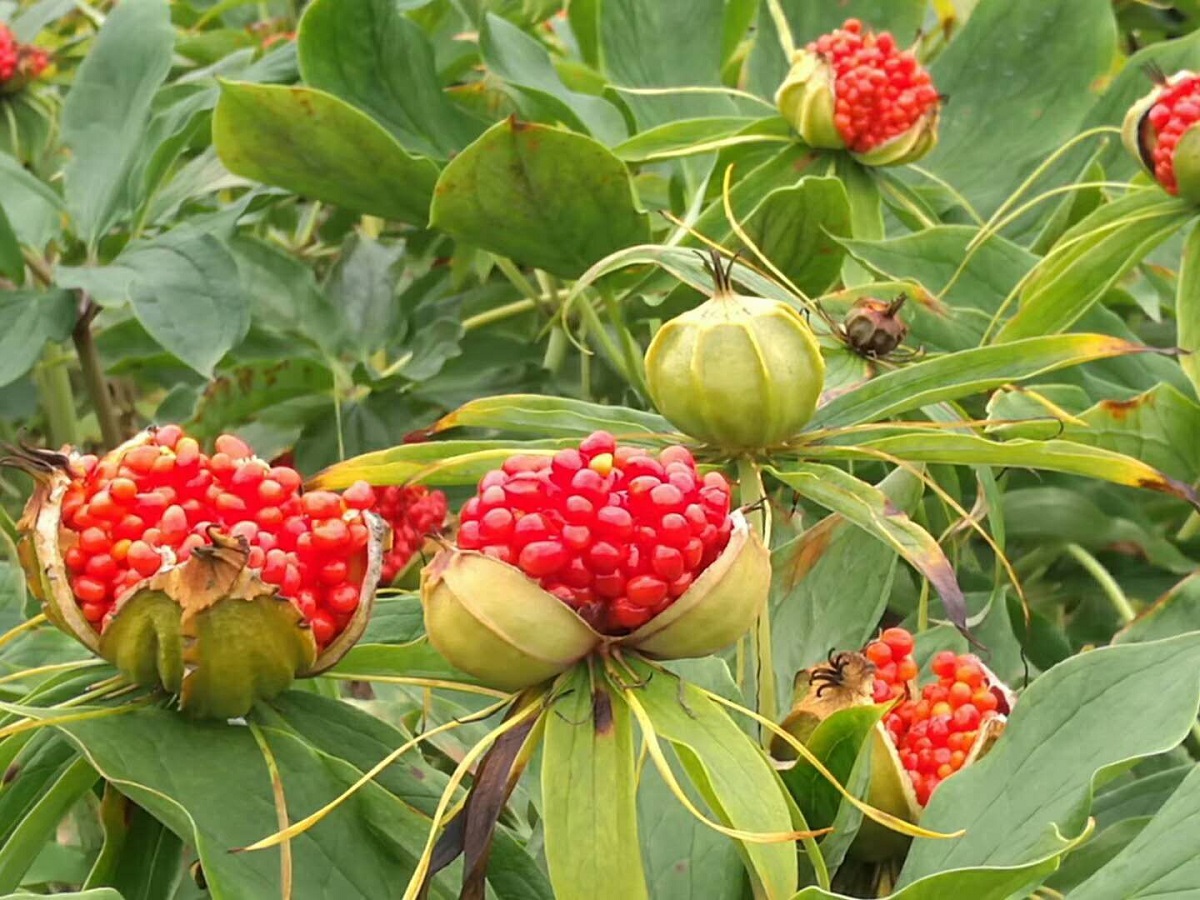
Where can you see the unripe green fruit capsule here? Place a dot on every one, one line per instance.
(741, 373)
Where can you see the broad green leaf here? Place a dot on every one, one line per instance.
(1141, 797)
(1086, 714)
(873, 511)
(552, 199)
(433, 463)
(97, 894)
(650, 44)
(416, 659)
(685, 137)
(316, 145)
(28, 319)
(1089, 259)
(141, 857)
(1055, 456)
(964, 373)
(165, 763)
(12, 263)
(371, 55)
(797, 228)
(348, 733)
(237, 396)
(538, 414)
(1175, 612)
(830, 586)
(34, 210)
(285, 291)
(184, 289)
(40, 820)
(807, 21)
(728, 769)
(589, 802)
(108, 107)
(837, 742)
(1020, 75)
(1091, 856)
(978, 883)
(525, 67)
(1046, 514)
(1160, 427)
(1187, 308)
(362, 288)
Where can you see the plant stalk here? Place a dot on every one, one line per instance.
(57, 401)
(93, 376)
(750, 492)
(1107, 583)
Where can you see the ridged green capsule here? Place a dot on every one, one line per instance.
(738, 372)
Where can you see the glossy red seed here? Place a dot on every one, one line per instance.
(359, 495)
(342, 599)
(541, 558)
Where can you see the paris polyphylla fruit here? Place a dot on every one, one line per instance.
(593, 548)
(855, 90)
(1159, 130)
(927, 735)
(214, 576)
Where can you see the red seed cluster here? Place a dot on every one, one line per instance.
(413, 512)
(612, 531)
(880, 91)
(16, 58)
(933, 732)
(1177, 110)
(131, 515)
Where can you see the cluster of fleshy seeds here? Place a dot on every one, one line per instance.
(414, 513)
(130, 515)
(1177, 110)
(613, 531)
(880, 91)
(934, 731)
(17, 58)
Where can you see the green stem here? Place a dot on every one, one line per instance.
(597, 331)
(923, 607)
(1107, 583)
(54, 389)
(93, 377)
(498, 314)
(517, 277)
(630, 350)
(556, 349)
(751, 491)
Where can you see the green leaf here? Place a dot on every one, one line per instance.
(526, 68)
(1090, 257)
(728, 769)
(165, 763)
(97, 894)
(1020, 75)
(371, 55)
(551, 199)
(285, 291)
(650, 44)
(1160, 427)
(830, 586)
(1054, 456)
(184, 288)
(964, 373)
(687, 137)
(838, 741)
(141, 857)
(1187, 308)
(1175, 612)
(235, 397)
(362, 288)
(107, 110)
(797, 227)
(872, 510)
(538, 414)
(34, 210)
(978, 883)
(314, 144)
(28, 319)
(12, 263)
(589, 784)
(1095, 853)
(39, 821)
(438, 462)
(1086, 714)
